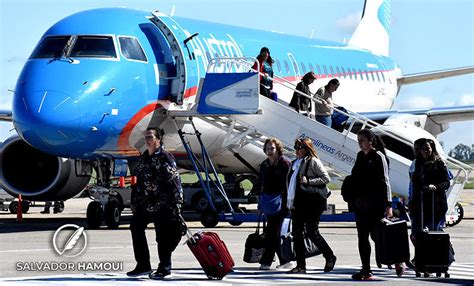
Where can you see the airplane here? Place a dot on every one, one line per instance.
(97, 79)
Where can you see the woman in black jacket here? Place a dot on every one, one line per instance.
(372, 199)
(430, 180)
(300, 103)
(273, 179)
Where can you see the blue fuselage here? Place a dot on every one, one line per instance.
(85, 106)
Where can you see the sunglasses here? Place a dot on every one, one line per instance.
(298, 147)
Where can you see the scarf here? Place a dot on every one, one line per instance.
(293, 181)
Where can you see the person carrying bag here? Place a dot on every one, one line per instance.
(272, 199)
(307, 199)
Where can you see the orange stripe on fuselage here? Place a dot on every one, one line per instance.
(123, 145)
(190, 92)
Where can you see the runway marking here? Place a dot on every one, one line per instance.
(241, 275)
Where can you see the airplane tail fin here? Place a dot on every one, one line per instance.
(374, 27)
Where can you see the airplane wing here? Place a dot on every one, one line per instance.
(6, 115)
(427, 76)
(439, 115)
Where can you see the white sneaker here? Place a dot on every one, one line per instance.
(288, 265)
(264, 267)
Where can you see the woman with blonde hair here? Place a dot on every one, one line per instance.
(307, 199)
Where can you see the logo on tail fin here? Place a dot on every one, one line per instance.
(372, 32)
(384, 15)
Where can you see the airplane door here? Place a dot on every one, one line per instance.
(185, 84)
(294, 64)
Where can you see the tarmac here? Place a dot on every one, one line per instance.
(26, 247)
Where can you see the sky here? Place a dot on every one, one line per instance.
(426, 35)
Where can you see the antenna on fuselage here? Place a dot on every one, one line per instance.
(173, 9)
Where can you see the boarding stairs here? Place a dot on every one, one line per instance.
(227, 99)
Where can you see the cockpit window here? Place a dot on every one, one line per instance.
(131, 49)
(51, 47)
(93, 47)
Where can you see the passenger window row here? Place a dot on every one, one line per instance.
(324, 71)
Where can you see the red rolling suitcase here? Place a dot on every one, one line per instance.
(212, 253)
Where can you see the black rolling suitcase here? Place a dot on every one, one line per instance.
(391, 242)
(432, 250)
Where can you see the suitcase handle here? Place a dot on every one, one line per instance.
(432, 209)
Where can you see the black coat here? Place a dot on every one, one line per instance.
(274, 178)
(370, 183)
(429, 173)
(299, 102)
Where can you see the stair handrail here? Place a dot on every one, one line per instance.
(358, 117)
(354, 115)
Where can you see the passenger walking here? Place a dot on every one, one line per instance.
(300, 103)
(372, 198)
(307, 199)
(266, 68)
(274, 183)
(157, 197)
(57, 207)
(411, 171)
(430, 177)
(325, 107)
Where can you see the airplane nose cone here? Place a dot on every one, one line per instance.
(48, 119)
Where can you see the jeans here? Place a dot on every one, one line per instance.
(326, 120)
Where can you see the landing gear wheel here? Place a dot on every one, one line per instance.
(237, 223)
(94, 215)
(25, 206)
(112, 214)
(209, 219)
(58, 207)
(460, 215)
(13, 207)
(200, 202)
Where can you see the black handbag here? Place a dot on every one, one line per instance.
(348, 189)
(287, 249)
(322, 190)
(255, 244)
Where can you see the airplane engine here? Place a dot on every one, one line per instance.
(36, 175)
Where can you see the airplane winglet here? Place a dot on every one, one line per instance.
(6, 115)
(427, 76)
